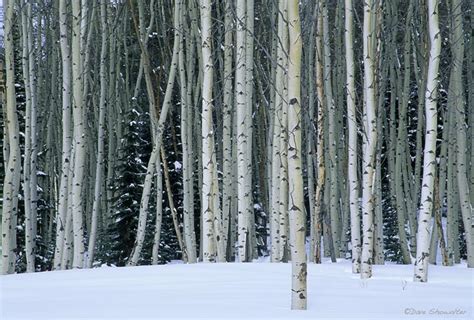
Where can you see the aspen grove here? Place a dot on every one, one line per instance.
(140, 132)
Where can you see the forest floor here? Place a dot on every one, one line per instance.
(236, 291)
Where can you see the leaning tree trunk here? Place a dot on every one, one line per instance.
(429, 156)
(295, 176)
(157, 123)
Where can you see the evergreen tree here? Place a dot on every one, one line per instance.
(130, 171)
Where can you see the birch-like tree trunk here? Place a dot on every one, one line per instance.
(227, 112)
(158, 216)
(157, 122)
(244, 190)
(78, 137)
(320, 157)
(143, 32)
(11, 183)
(66, 133)
(100, 136)
(331, 163)
(29, 163)
(280, 79)
(457, 91)
(352, 143)
(295, 176)
(369, 141)
(249, 222)
(429, 154)
(186, 136)
(208, 164)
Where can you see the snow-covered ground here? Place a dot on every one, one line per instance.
(236, 291)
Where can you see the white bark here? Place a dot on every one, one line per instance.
(186, 137)
(78, 137)
(100, 135)
(352, 143)
(244, 189)
(249, 84)
(11, 183)
(66, 255)
(144, 203)
(227, 188)
(320, 157)
(467, 209)
(29, 167)
(208, 165)
(331, 163)
(157, 124)
(429, 154)
(66, 134)
(158, 216)
(280, 80)
(370, 140)
(295, 176)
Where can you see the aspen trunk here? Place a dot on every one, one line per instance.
(370, 140)
(331, 163)
(352, 143)
(11, 183)
(157, 123)
(208, 164)
(158, 216)
(29, 167)
(295, 176)
(66, 134)
(244, 190)
(186, 136)
(100, 136)
(457, 90)
(79, 143)
(320, 156)
(429, 154)
(280, 80)
(227, 187)
(249, 84)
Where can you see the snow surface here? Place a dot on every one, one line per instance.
(236, 291)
